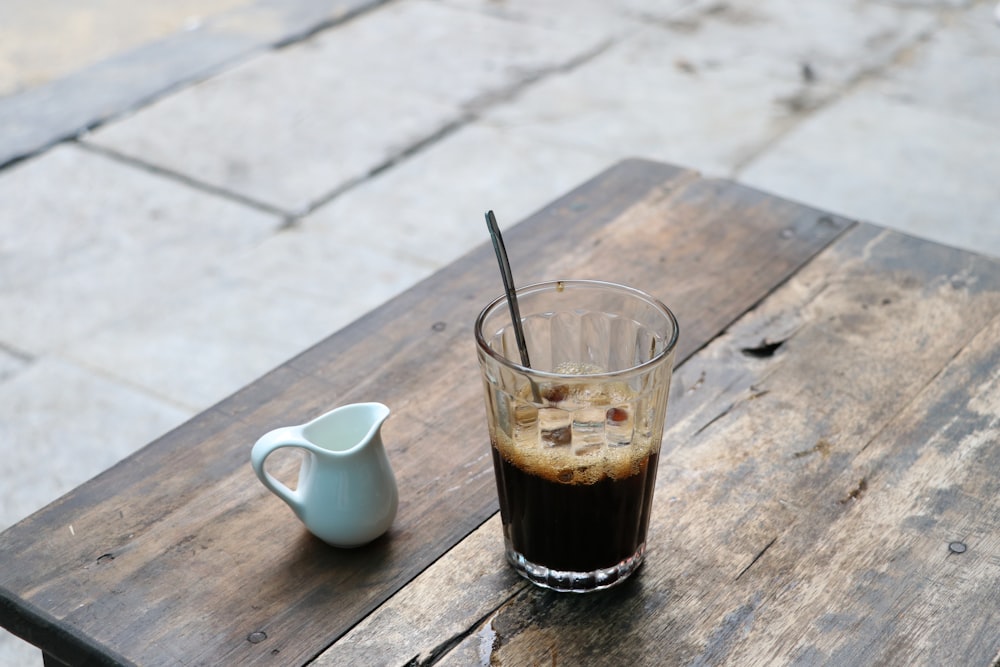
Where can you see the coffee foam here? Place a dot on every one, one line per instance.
(560, 464)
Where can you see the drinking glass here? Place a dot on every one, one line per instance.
(575, 434)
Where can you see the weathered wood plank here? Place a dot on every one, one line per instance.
(179, 555)
(425, 620)
(696, 230)
(916, 541)
(877, 362)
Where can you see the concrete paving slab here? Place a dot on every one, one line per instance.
(86, 240)
(41, 116)
(704, 89)
(931, 3)
(88, 33)
(274, 299)
(330, 266)
(587, 16)
(456, 57)
(607, 17)
(662, 110)
(82, 98)
(294, 126)
(13, 651)
(955, 70)
(11, 363)
(269, 139)
(826, 43)
(926, 173)
(66, 424)
(202, 343)
(429, 210)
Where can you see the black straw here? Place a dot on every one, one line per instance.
(508, 286)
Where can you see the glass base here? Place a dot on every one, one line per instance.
(576, 582)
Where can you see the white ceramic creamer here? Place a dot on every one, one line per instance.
(346, 494)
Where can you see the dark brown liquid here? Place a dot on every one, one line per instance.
(574, 527)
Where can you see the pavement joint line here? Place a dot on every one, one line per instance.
(416, 147)
(95, 95)
(125, 382)
(863, 75)
(287, 217)
(19, 355)
(290, 219)
(334, 22)
(481, 103)
(473, 112)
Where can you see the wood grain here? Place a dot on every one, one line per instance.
(825, 452)
(701, 209)
(178, 554)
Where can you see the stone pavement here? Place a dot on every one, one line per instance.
(199, 198)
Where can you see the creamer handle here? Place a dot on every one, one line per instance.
(270, 442)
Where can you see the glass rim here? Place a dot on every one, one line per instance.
(548, 285)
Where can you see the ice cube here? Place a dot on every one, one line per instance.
(619, 425)
(554, 427)
(588, 430)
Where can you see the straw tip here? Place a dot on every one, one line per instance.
(491, 223)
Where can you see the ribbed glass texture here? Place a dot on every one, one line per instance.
(576, 434)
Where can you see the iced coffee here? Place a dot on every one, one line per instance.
(575, 437)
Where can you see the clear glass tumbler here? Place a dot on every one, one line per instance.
(576, 437)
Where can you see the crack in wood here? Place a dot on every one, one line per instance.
(930, 382)
(757, 393)
(856, 492)
(764, 350)
(716, 418)
(822, 447)
(697, 385)
(445, 647)
(757, 557)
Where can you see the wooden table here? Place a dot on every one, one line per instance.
(829, 491)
